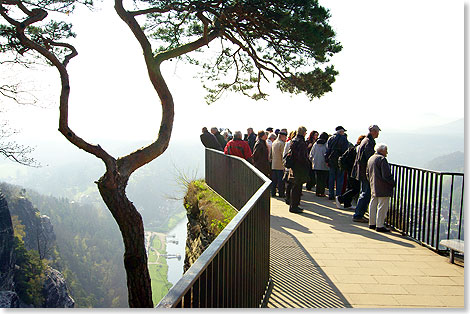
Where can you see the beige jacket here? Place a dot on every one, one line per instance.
(276, 154)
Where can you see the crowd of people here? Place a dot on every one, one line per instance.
(349, 171)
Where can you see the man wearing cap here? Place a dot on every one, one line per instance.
(335, 147)
(364, 151)
(277, 165)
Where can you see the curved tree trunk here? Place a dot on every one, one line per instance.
(112, 189)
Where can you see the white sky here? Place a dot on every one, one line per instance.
(401, 67)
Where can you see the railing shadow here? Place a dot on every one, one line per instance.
(341, 220)
(298, 281)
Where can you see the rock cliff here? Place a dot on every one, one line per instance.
(207, 215)
(39, 235)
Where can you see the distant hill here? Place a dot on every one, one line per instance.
(455, 127)
(454, 162)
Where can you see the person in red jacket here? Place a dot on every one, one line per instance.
(238, 147)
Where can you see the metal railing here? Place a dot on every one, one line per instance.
(234, 270)
(427, 205)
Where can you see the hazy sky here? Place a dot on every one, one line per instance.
(401, 67)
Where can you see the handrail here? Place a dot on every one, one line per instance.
(427, 205)
(217, 278)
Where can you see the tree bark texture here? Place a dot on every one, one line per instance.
(112, 189)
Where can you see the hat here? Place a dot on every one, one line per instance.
(283, 133)
(340, 128)
(277, 131)
(270, 129)
(374, 127)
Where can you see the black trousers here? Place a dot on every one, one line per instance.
(351, 191)
(295, 194)
(321, 177)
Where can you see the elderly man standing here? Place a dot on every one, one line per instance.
(364, 151)
(277, 165)
(381, 185)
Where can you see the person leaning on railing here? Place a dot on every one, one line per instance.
(381, 186)
(238, 147)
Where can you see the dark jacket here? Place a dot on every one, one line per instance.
(260, 157)
(380, 176)
(251, 139)
(210, 141)
(220, 139)
(364, 151)
(300, 170)
(335, 147)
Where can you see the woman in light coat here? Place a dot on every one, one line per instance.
(319, 166)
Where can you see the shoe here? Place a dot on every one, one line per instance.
(346, 205)
(331, 198)
(362, 219)
(382, 229)
(371, 226)
(296, 210)
(287, 201)
(338, 204)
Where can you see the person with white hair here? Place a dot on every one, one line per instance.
(381, 185)
(271, 138)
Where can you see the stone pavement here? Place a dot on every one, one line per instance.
(321, 259)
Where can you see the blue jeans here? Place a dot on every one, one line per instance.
(338, 176)
(276, 177)
(364, 199)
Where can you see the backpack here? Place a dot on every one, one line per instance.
(346, 161)
(288, 158)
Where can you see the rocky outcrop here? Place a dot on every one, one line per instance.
(9, 299)
(55, 291)
(39, 231)
(38, 228)
(6, 246)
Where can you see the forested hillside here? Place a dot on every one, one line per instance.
(89, 249)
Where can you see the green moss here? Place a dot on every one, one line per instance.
(217, 212)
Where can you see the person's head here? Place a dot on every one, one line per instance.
(374, 130)
(312, 137)
(284, 130)
(214, 130)
(360, 138)
(225, 134)
(270, 129)
(249, 131)
(292, 134)
(237, 135)
(340, 130)
(204, 130)
(282, 136)
(262, 135)
(301, 131)
(277, 131)
(272, 136)
(323, 136)
(382, 149)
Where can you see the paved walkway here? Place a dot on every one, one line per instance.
(321, 259)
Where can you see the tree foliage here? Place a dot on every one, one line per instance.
(257, 40)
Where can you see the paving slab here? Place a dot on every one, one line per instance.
(322, 259)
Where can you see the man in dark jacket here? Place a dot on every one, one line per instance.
(381, 186)
(364, 152)
(220, 138)
(299, 172)
(250, 137)
(261, 155)
(335, 147)
(209, 140)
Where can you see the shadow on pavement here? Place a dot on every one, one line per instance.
(298, 281)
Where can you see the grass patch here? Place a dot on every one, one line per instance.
(216, 211)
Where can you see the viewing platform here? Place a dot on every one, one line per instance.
(322, 259)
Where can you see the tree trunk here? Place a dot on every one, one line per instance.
(112, 189)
